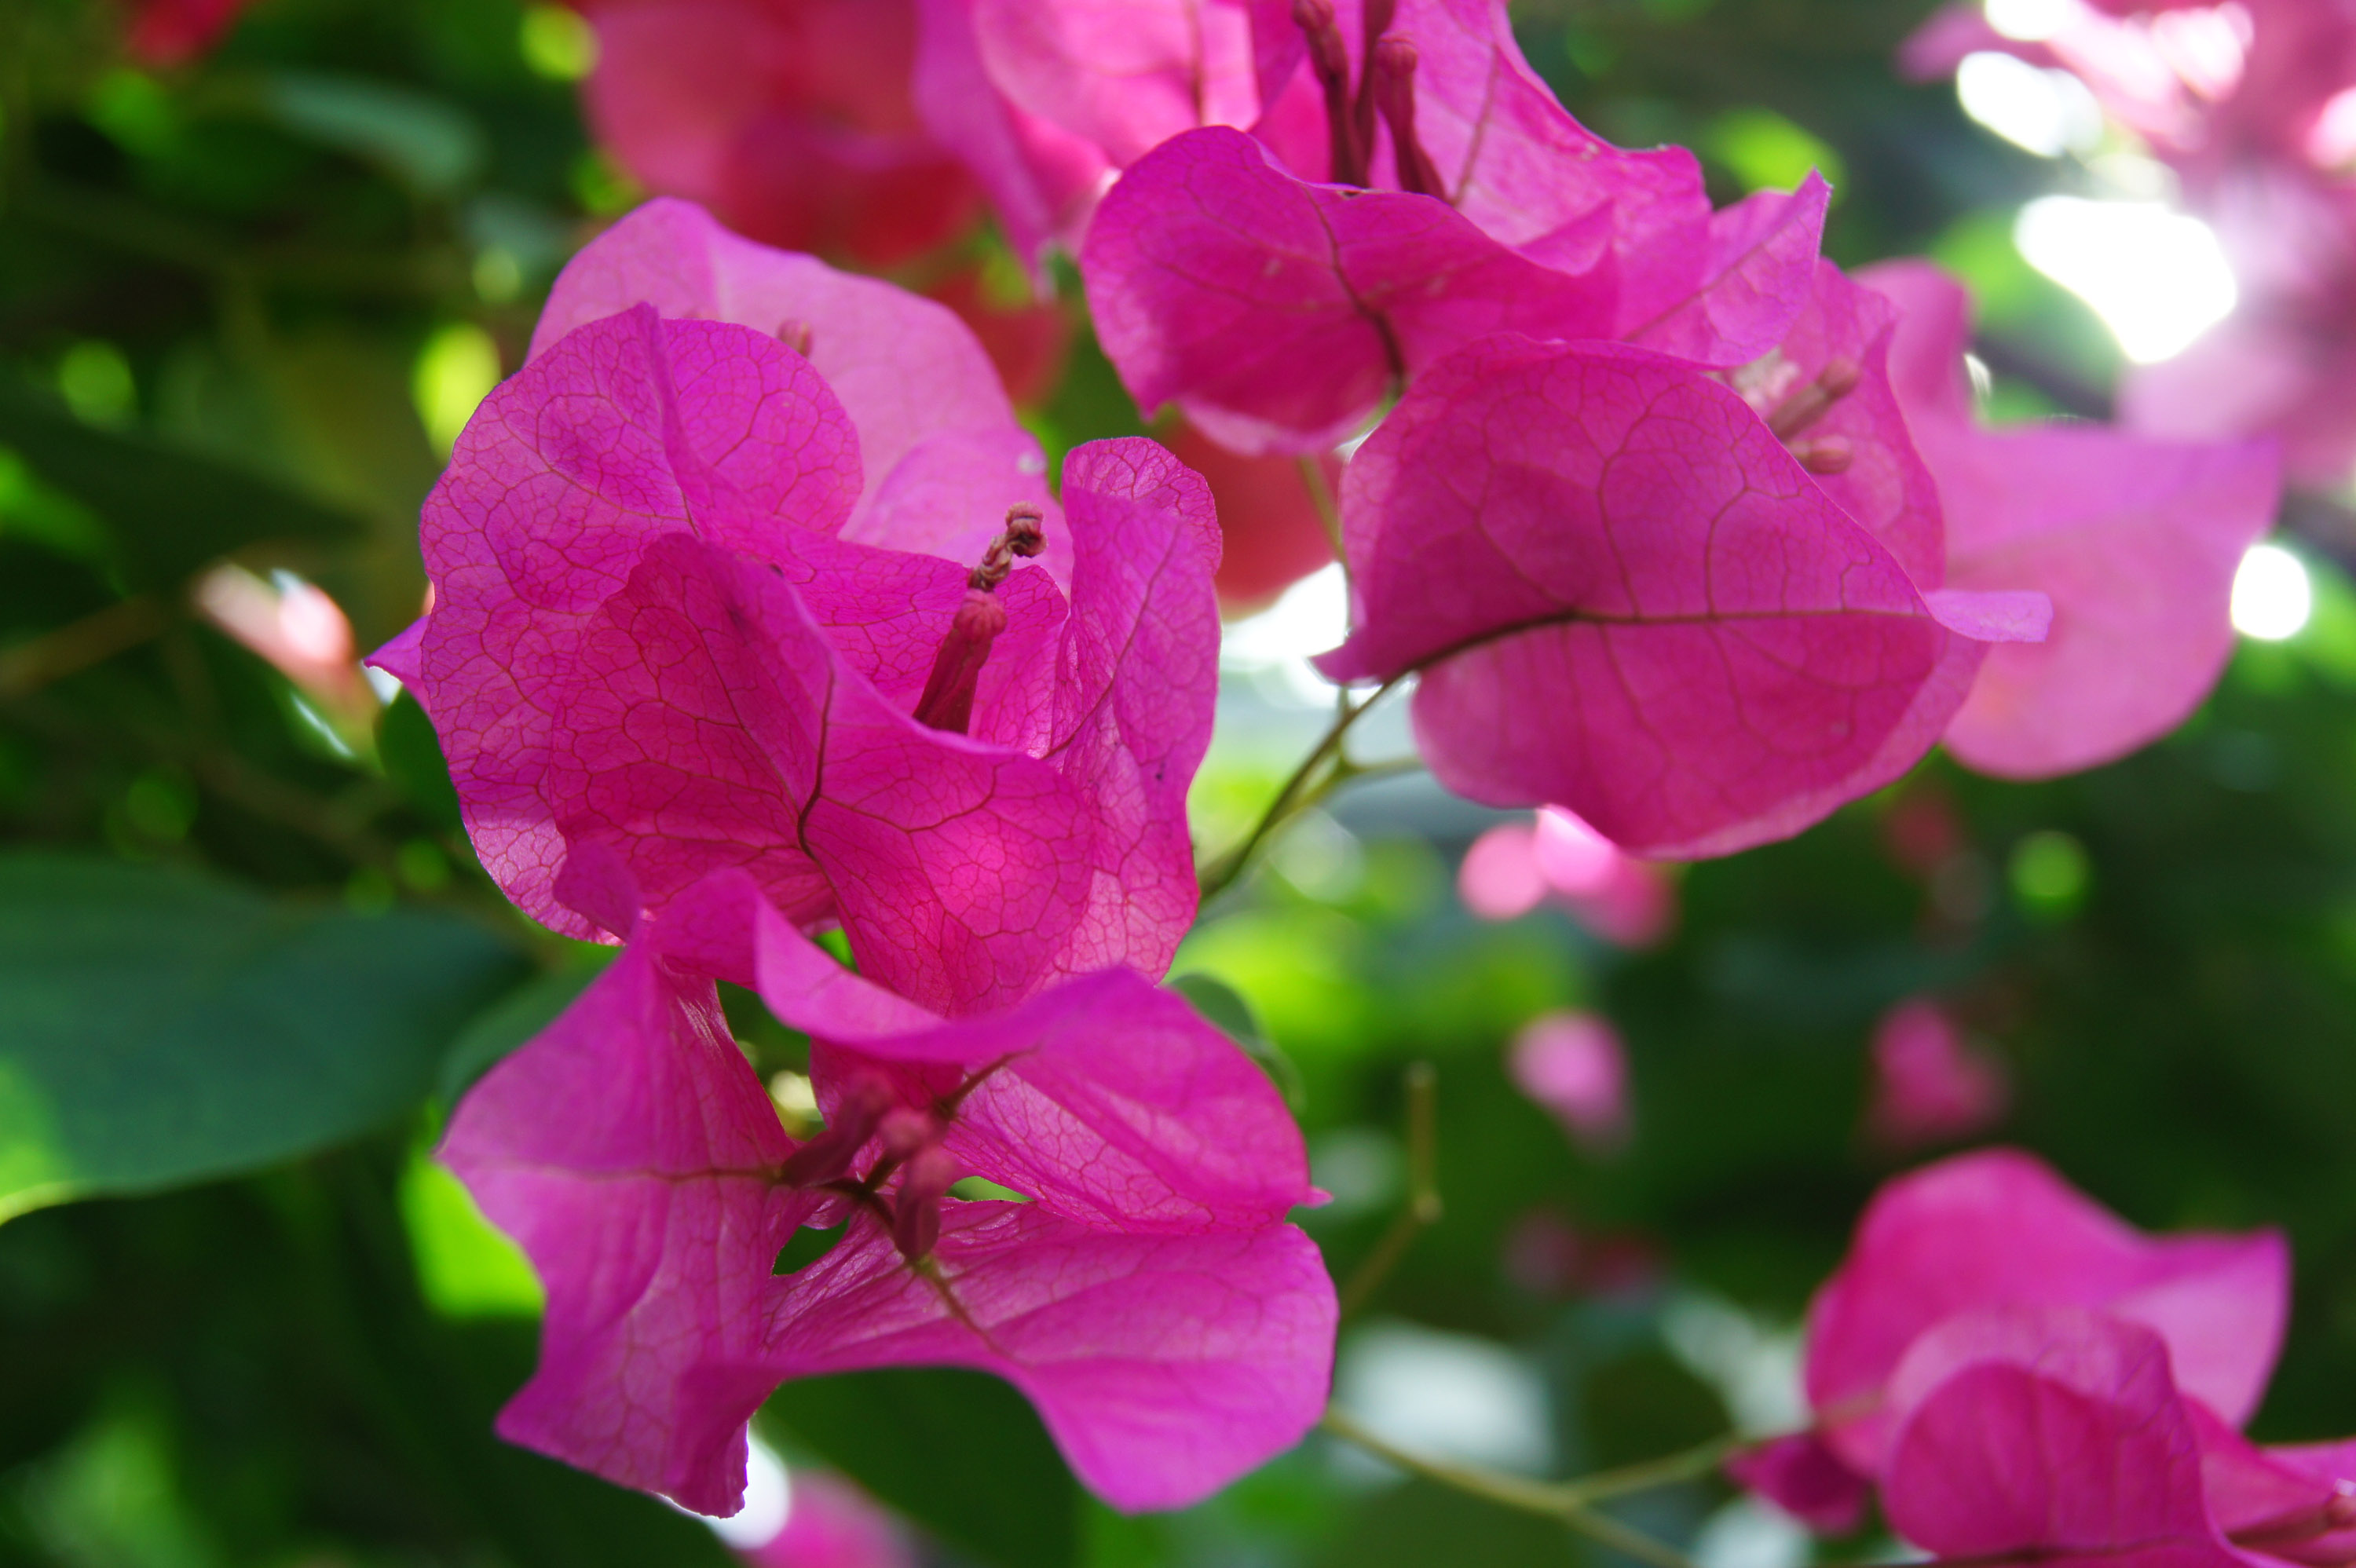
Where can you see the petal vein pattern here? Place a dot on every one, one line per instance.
(1626, 597)
(1172, 1329)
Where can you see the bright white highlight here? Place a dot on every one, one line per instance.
(2050, 113)
(2272, 597)
(2030, 21)
(1748, 1533)
(1312, 615)
(2159, 279)
(1446, 1395)
(768, 1502)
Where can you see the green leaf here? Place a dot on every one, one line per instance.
(1225, 1009)
(960, 1452)
(157, 1028)
(169, 510)
(412, 754)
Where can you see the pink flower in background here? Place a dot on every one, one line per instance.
(1047, 99)
(1574, 1066)
(303, 633)
(1929, 1084)
(2023, 1375)
(1271, 531)
(1626, 594)
(708, 600)
(2253, 107)
(1149, 1298)
(2000, 1230)
(175, 32)
(2135, 540)
(832, 1525)
(1250, 281)
(791, 119)
(1515, 866)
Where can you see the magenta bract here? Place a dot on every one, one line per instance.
(2000, 1230)
(2135, 540)
(792, 118)
(1170, 1329)
(1277, 286)
(689, 610)
(1626, 596)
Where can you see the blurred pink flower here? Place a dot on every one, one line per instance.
(1515, 866)
(2024, 1376)
(2134, 539)
(1929, 1085)
(832, 1525)
(2253, 104)
(299, 630)
(710, 599)
(1804, 1478)
(174, 32)
(1149, 1298)
(1270, 531)
(792, 119)
(1573, 1065)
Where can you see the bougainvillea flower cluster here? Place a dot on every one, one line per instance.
(753, 615)
(693, 585)
(2020, 1374)
(1149, 1299)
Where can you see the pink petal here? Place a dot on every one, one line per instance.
(1740, 666)
(1998, 1229)
(628, 1150)
(1758, 275)
(1164, 1366)
(1886, 486)
(559, 484)
(2135, 541)
(1799, 1474)
(833, 1524)
(1044, 179)
(1110, 1102)
(2293, 1501)
(793, 120)
(631, 1151)
(2056, 1432)
(1271, 534)
(1276, 312)
(910, 376)
(1124, 75)
(1531, 178)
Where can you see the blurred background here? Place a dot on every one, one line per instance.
(255, 271)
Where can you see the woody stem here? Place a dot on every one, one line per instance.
(1568, 1501)
(1320, 771)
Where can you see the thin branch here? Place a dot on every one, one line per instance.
(1324, 767)
(1422, 1209)
(1321, 495)
(1514, 1492)
(74, 647)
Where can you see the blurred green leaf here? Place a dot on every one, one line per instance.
(515, 1019)
(959, 1452)
(1421, 1524)
(432, 145)
(171, 511)
(412, 754)
(162, 1028)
